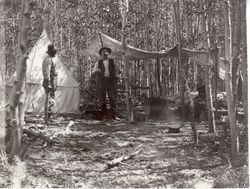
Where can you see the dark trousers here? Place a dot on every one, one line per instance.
(107, 85)
(50, 88)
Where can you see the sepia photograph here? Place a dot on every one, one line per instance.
(124, 94)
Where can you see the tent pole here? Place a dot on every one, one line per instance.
(101, 39)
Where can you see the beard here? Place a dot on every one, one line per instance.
(105, 56)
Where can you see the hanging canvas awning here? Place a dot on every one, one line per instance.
(134, 53)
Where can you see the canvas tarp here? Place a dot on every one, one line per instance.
(67, 94)
(134, 53)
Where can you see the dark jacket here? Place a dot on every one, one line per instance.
(111, 67)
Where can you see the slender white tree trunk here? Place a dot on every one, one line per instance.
(126, 66)
(228, 80)
(244, 59)
(208, 77)
(17, 107)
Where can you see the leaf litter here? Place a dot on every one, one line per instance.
(142, 155)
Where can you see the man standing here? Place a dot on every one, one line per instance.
(49, 81)
(108, 75)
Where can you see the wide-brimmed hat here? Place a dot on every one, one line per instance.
(51, 49)
(104, 48)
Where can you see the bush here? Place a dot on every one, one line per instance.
(232, 178)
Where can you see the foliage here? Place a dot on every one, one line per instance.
(72, 26)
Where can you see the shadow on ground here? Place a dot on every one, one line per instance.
(166, 159)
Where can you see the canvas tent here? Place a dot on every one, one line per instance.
(67, 94)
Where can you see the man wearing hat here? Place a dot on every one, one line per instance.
(49, 80)
(108, 75)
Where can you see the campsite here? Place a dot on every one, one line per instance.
(123, 93)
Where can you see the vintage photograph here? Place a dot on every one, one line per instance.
(123, 94)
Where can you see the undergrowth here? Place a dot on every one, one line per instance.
(15, 175)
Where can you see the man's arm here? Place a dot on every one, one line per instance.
(46, 68)
(96, 69)
(55, 69)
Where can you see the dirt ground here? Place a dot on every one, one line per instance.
(165, 159)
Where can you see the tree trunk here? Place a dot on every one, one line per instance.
(126, 71)
(236, 48)
(17, 107)
(192, 109)
(181, 66)
(244, 60)
(149, 83)
(228, 80)
(216, 77)
(208, 77)
(158, 77)
(2, 42)
(176, 79)
(157, 46)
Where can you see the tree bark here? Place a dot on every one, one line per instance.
(236, 48)
(216, 76)
(148, 62)
(192, 109)
(158, 77)
(126, 71)
(158, 61)
(2, 42)
(244, 60)
(180, 63)
(208, 77)
(228, 79)
(17, 107)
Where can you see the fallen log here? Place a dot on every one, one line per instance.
(119, 160)
(39, 135)
(52, 141)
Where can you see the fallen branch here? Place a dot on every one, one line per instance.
(52, 141)
(121, 115)
(39, 135)
(119, 160)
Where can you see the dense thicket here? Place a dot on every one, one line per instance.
(73, 24)
(151, 25)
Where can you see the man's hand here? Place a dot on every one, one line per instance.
(97, 70)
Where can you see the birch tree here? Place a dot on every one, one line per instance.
(244, 58)
(124, 10)
(17, 107)
(180, 60)
(208, 77)
(228, 79)
(2, 42)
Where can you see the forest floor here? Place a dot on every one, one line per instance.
(164, 159)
